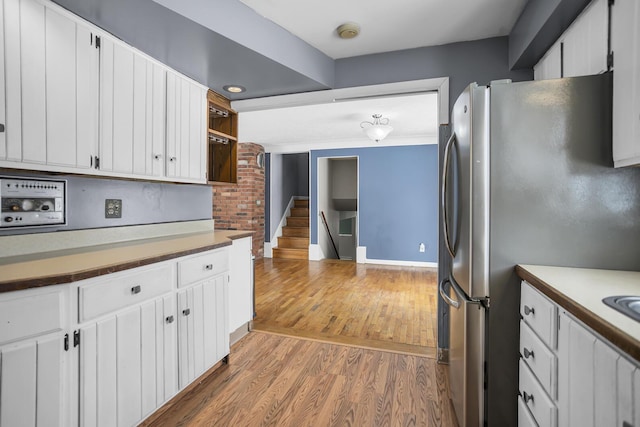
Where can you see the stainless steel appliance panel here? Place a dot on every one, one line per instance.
(30, 202)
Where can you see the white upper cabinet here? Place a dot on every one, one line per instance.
(625, 45)
(186, 129)
(550, 66)
(582, 49)
(585, 42)
(79, 100)
(50, 93)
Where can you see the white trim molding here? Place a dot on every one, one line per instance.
(268, 250)
(315, 252)
(361, 254)
(402, 263)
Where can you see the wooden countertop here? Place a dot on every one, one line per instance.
(580, 292)
(70, 265)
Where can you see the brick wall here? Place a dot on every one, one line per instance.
(241, 206)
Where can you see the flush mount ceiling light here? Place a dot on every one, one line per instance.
(378, 129)
(348, 30)
(234, 88)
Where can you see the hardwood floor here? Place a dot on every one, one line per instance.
(273, 380)
(385, 307)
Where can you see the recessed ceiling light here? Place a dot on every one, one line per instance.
(234, 88)
(348, 30)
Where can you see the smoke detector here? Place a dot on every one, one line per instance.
(348, 30)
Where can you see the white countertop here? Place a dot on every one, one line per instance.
(583, 290)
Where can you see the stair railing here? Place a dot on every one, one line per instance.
(326, 226)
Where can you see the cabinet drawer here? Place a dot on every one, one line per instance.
(30, 315)
(540, 359)
(536, 400)
(540, 314)
(525, 419)
(123, 289)
(200, 267)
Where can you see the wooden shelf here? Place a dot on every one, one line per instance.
(222, 134)
(222, 157)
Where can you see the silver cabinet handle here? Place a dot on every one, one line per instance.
(158, 156)
(173, 159)
(528, 310)
(136, 290)
(1, 127)
(208, 267)
(186, 311)
(527, 353)
(169, 319)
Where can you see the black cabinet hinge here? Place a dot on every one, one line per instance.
(96, 162)
(97, 42)
(66, 342)
(76, 338)
(610, 60)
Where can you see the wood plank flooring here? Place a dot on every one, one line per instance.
(386, 307)
(273, 380)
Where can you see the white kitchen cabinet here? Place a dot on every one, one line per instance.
(3, 111)
(132, 99)
(597, 385)
(585, 41)
(128, 363)
(582, 49)
(202, 327)
(241, 284)
(186, 129)
(550, 66)
(48, 59)
(33, 359)
(625, 45)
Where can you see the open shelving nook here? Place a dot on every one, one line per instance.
(222, 140)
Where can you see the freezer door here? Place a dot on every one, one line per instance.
(466, 358)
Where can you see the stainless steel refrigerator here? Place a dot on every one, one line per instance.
(528, 177)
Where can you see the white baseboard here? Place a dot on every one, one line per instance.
(268, 252)
(361, 254)
(401, 263)
(315, 252)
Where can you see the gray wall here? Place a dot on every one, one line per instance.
(477, 61)
(142, 202)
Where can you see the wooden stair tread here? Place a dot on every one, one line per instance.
(299, 212)
(304, 203)
(293, 242)
(290, 253)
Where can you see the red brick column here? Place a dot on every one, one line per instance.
(240, 206)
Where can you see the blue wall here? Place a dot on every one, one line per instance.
(398, 206)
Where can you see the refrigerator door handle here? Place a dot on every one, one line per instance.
(443, 195)
(462, 296)
(450, 301)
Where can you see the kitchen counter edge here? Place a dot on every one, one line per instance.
(201, 242)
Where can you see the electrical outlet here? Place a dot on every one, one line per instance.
(113, 208)
(422, 247)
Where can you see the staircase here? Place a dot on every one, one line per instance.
(294, 243)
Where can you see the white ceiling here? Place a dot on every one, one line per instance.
(388, 25)
(414, 119)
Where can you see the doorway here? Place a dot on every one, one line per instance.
(338, 207)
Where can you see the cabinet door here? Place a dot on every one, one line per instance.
(186, 129)
(550, 66)
(116, 100)
(51, 69)
(203, 327)
(31, 382)
(127, 366)
(625, 44)
(3, 98)
(585, 42)
(240, 285)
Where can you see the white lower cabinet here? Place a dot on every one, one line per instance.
(110, 350)
(596, 383)
(33, 360)
(203, 332)
(128, 364)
